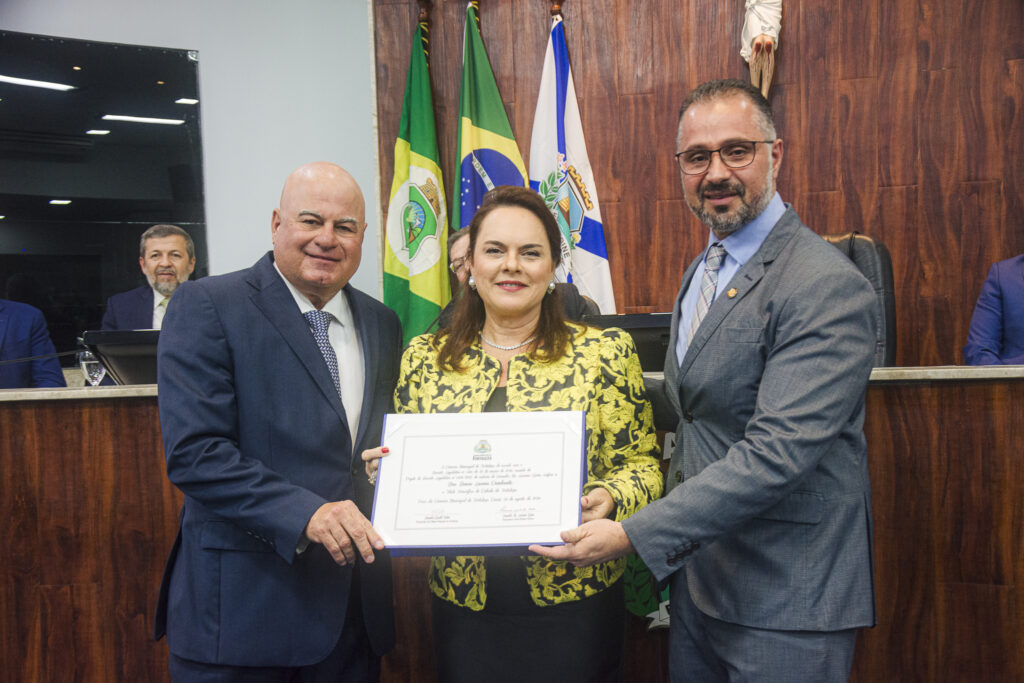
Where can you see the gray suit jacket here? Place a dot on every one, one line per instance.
(768, 507)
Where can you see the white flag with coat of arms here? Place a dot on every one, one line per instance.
(560, 172)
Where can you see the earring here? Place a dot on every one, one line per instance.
(551, 286)
(471, 282)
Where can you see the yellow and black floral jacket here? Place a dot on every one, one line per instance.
(599, 374)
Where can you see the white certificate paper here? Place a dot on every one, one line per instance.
(479, 483)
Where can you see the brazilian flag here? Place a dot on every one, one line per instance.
(487, 153)
(415, 262)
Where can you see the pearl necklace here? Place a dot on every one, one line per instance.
(506, 348)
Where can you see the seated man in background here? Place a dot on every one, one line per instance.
(23, 334)
(574, 304)
(996, 336)
(167, 258)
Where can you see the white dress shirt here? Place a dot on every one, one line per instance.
(159, 309)
(739, 247)
(345, 341)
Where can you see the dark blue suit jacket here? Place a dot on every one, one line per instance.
(23, 334)
(131, 310)
(996, 336)
(256, 437)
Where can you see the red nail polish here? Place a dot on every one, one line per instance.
(384, 450)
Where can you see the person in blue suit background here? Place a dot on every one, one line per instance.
(167, 257)
(270, 379)
(996, 336)
(23, 334)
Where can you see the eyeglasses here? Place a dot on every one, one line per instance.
(733, 155)
(457, 265)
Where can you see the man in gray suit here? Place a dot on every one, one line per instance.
(765, 529)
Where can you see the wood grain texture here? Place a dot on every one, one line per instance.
(92, 520)
(948, 500)
(868, 95)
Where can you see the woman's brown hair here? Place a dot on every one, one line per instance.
(467, 320)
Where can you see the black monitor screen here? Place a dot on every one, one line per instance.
(128, 355)
(650, 332)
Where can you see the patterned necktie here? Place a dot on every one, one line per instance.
(319, 321)
(715, 257)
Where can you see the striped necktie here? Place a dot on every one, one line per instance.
(708, 283)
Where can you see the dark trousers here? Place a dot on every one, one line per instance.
(351, 660)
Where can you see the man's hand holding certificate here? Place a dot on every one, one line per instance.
(479, 482)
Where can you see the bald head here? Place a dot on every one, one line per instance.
(318, 230)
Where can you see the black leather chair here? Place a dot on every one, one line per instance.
(873, 259)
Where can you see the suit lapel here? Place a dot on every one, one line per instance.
(744, 281)
(672, 374)
(275, 302)
(368, 328)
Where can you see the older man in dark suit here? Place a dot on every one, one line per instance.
(272, 381)
(765, 532)
(167, 257)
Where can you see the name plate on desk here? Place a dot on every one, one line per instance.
(479, 483)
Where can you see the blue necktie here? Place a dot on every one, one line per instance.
(319, 321)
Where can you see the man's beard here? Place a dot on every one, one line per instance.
(165, 288)
(725, 224)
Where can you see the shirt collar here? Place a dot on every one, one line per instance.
(337, 305)
(745, 242)
(157, 298)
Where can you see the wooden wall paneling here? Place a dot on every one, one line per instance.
(593, 49)
(147, 528)
(859, 50)
(647, 651)
(898, 94)
(978, 556)
(858, 133)
(937, 85)
(715, 40)
(632, 31)
(674, 69)
(981, 204)
(82, 569)
(818, 34)
(529, 29)
(412, 660)
(1011, 124)
(816, 210)
(983, 75)
(605, 140)
(679, 240)
(900, 438)
(897, 229)
(796, 146)
(19, 600)
(394, 24)
(633, 161)
(594, 69)
(941, 164)
(937, 24)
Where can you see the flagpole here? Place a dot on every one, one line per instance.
(424, 20)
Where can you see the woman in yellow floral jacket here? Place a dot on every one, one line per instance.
(509, 348)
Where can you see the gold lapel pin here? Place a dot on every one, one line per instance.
(731, 293)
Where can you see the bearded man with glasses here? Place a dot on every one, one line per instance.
(765, 528)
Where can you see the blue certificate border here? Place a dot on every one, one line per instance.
(491, 549)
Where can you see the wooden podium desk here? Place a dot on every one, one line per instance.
(87, 517)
